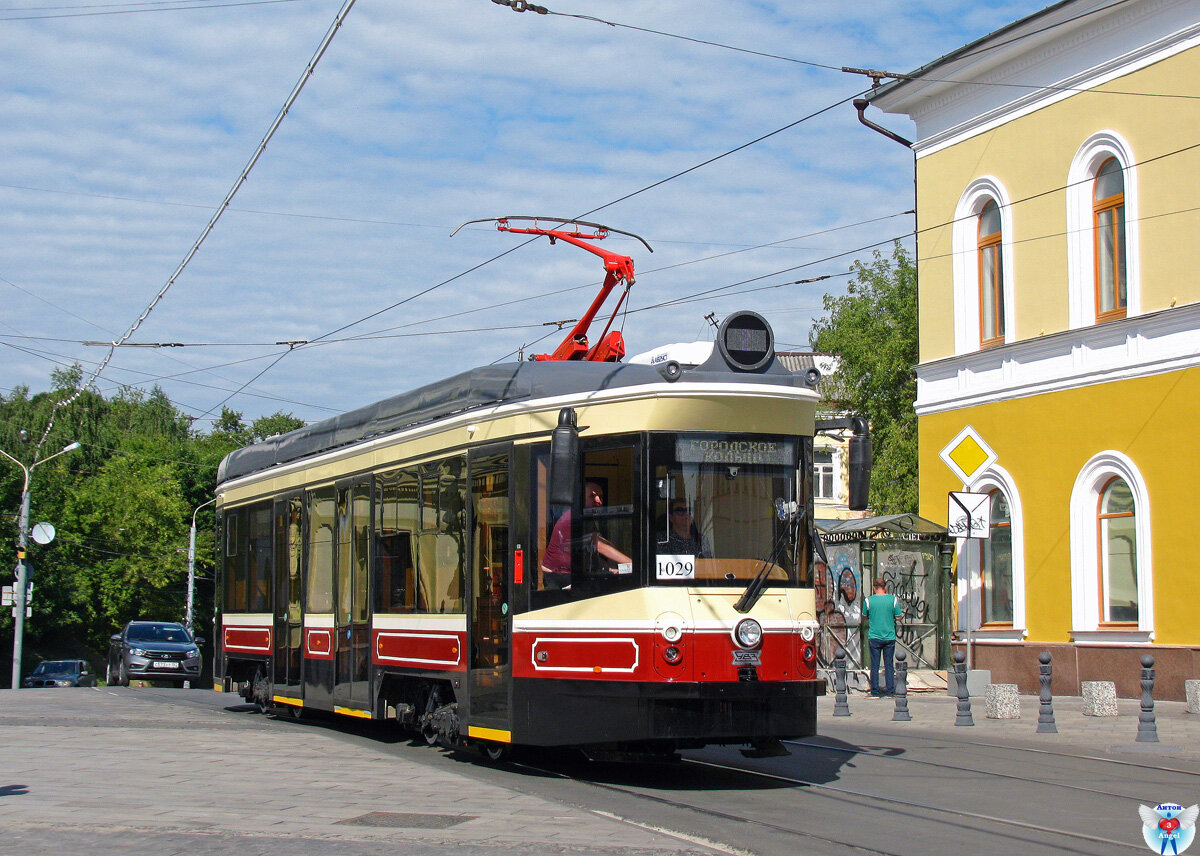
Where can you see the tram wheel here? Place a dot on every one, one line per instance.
(496, 751)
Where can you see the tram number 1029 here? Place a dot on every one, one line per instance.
(675, 567)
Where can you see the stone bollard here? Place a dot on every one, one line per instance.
(1147, 731)
(963, 715)
(1045, 698)
(840, 707)
(900, 714)
(1191, 691)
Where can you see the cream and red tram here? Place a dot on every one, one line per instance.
(491, 559)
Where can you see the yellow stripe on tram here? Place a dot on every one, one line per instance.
(489, 734)
(296, 702)
(352, 711)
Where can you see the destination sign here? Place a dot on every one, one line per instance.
(718, 450)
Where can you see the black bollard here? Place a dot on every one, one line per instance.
(1046, 710)
(963, 715)
(900, 714)
(840, 707)
(1147, 731)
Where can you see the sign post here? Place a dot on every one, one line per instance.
(969, 514)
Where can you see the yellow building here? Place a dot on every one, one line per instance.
(1057, 167)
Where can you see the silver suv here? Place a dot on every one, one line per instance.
(153, 651)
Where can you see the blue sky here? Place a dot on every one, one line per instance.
(124, 126)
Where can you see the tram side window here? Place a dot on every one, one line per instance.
(441, 552)
(248, 559)
(397, 503)
(589, 549)
(235, 582)
(322, 512)
(259, 559)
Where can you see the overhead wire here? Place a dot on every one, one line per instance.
(180, 8)
(309, 70)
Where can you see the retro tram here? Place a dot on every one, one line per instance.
(566, 551)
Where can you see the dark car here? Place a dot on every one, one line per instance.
(61, 673)
(153, 651)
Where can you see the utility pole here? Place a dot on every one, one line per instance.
(21, 590)
(191, 584)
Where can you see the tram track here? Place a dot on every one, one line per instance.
(856, 751)
(1018, 833)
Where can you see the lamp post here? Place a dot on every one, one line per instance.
(20, 589)
(191, 591)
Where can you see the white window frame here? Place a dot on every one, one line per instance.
(834, 470)
(1081, 233)
(1085, 558)
(966, 262)
(970, 556)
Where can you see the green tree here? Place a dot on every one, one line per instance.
(122, 505)
(873, 330)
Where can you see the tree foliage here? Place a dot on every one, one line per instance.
(122, 506)
(873, 330)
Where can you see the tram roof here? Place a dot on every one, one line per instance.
(478, 388)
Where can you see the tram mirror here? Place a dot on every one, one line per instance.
(564, 460)
(860, 465)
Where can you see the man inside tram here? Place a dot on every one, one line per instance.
(556, 561)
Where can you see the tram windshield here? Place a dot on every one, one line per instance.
(714, 499)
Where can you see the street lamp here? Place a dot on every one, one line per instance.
(191, 591)
(19, 591)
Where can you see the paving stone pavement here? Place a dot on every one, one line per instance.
(934, 712)
(131, 772)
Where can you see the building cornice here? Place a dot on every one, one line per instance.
(1151, 344)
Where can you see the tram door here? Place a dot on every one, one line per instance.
(289, 544)
(490, 673)
(351, 608)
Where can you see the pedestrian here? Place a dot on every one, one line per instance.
(882, 611)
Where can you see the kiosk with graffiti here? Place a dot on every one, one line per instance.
(839, 603)
(905, 551)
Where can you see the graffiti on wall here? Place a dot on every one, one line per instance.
(909, 570)
(839, 604)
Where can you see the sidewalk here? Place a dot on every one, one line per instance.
(934, 713)
(145, 772)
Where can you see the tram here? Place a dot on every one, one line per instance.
(572, 550)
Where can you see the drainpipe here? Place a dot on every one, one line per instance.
(861, 105)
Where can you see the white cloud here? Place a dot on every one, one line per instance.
(122, 133)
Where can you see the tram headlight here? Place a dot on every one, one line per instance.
(810, 653)
(747, 633)
(672, 655)
(672, 633)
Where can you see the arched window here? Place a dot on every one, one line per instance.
(1108, 215)
(991, 277)
(996, 569)
(1112, 579)
(1103, 279)
(983, 265)
(1116, 530)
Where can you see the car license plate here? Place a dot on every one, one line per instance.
(746, 658)
(166, 665)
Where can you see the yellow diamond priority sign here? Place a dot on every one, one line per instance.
(967, 455)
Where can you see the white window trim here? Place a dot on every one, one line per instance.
(1085, 577)
(970, 555)
(966, 262)
(1081, 258)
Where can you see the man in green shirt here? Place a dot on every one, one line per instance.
(882, 610)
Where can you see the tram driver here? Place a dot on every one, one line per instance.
(556, 560)
(682, 536)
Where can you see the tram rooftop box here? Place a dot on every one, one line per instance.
(739, 355)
